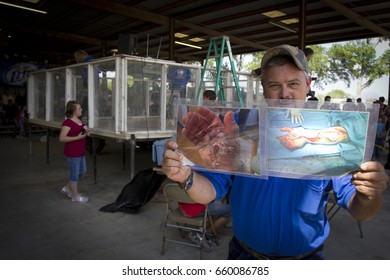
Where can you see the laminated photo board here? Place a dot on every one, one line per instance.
(221, 139)
(288, 141)
(317, 144)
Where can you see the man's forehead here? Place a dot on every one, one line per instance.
(286, 71)
(270, 81)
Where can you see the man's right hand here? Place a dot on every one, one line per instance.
(202, 191)
(172, 165)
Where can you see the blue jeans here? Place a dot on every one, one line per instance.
(218, 208)
(181, 89)
(77, 168)
(236, 252)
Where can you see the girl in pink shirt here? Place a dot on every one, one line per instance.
(73, 134)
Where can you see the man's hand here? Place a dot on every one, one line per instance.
(202, 190)
(370, 182)
(172, 164)
(295, 115)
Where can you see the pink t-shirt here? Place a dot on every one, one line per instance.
(74, 148)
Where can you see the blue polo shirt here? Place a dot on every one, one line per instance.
(280, 216)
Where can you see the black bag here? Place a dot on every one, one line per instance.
(136, 193)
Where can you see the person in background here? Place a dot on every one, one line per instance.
(209, 95)
(326, 105)
(10, 112)
(7, 95)
(312, 103)
(179, 76)
(384, 111)
(382, 100)
(218, 209)
(73, 134)
(21, 115)
(360, 106)
(309, 53)
(256, 72)
(81, 56)
(379, 138)
(350, 105)
(280, 218)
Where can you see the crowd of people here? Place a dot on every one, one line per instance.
(349, 105)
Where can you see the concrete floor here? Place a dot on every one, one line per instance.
(38, 222)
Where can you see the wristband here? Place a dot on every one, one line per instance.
(188, 182)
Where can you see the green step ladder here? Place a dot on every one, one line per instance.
(219, 55)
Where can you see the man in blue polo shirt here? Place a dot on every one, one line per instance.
(281, 218)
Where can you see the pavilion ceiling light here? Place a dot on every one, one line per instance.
(196, 40)
(290, 21)
(274, 14)
(180, 35)
(188, 45)
(22, 7)
(32, 1)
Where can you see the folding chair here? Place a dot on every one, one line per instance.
(175, 219)
(334, 208)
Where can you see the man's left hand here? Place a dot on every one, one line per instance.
(371, 180)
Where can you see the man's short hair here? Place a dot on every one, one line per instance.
(308, 51)
(297, 55)
(209, 94)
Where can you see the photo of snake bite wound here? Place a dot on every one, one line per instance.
(221, 139)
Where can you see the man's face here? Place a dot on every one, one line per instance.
(285, 82)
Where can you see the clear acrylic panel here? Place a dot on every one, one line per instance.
(39, 98)
(104, 75)
(58, 94)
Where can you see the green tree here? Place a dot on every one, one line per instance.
(356, 60)
(255, 61)
(338, 94)
(334, 94)
(318, 66)
(239, 62)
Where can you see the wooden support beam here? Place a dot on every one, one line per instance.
(355, 17)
